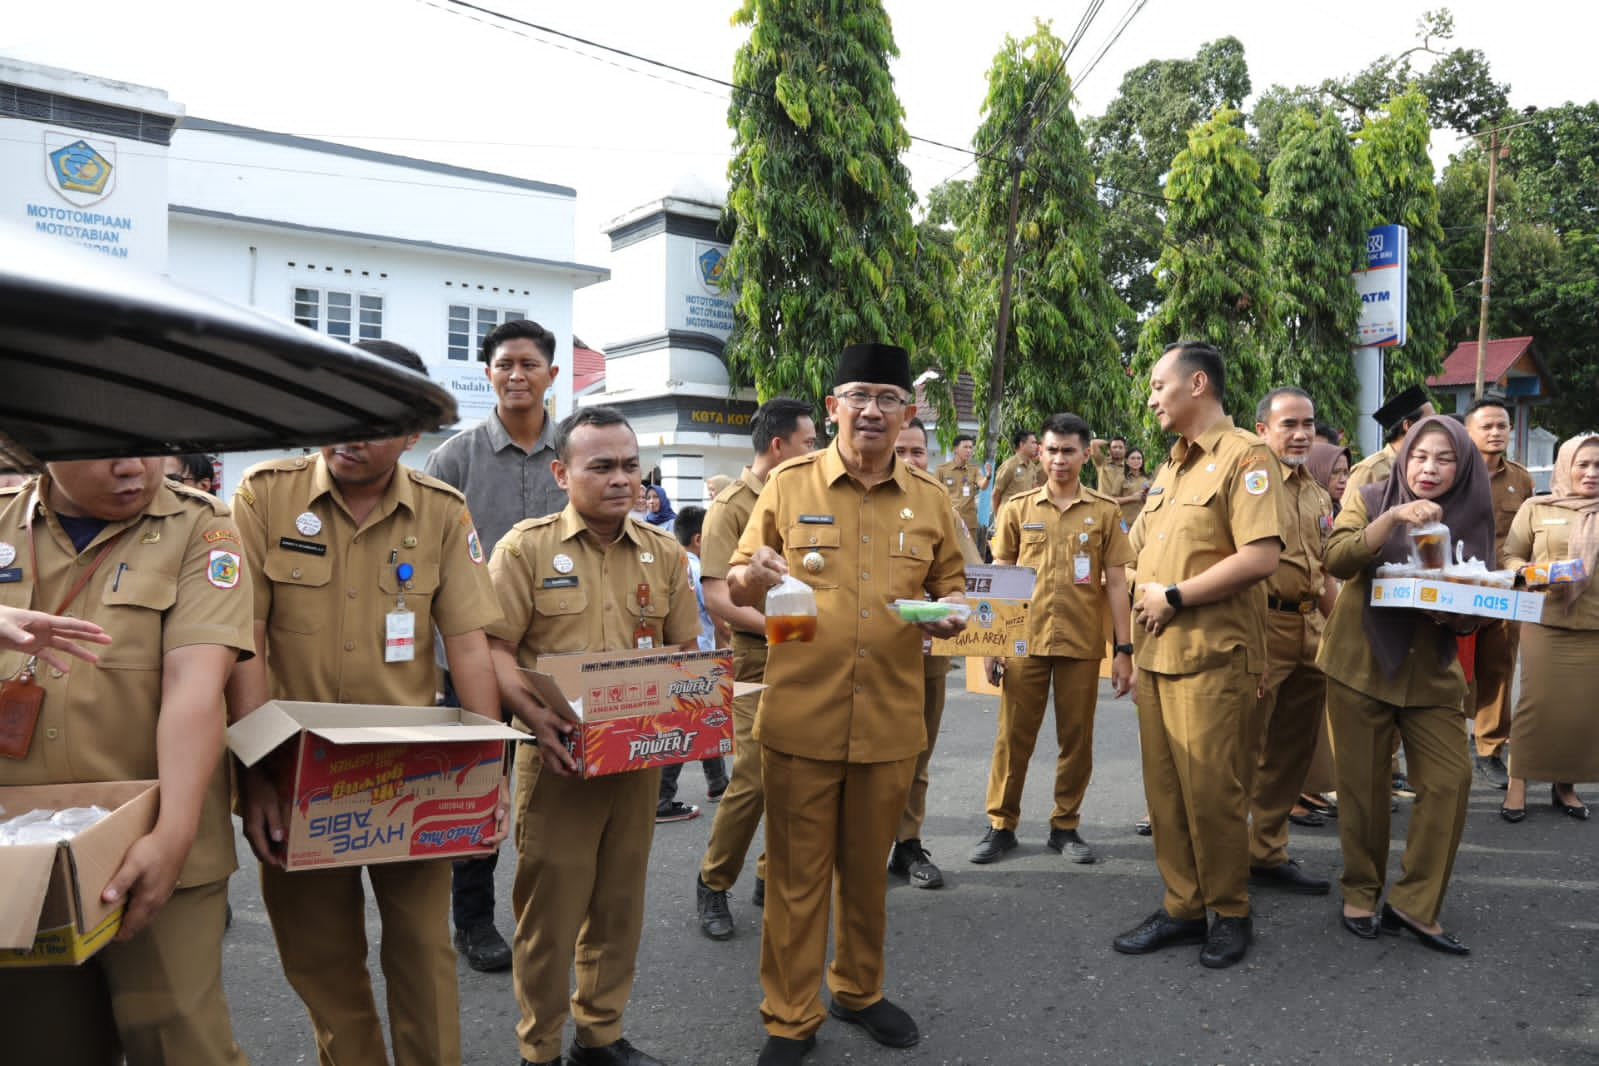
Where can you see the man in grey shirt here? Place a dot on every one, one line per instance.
(502, 465)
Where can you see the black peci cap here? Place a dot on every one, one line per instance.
(876, 364)
(1401, 407)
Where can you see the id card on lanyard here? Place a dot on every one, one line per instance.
(399, 625)
(1081, 573)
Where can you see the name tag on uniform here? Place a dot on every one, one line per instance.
(569, 582)
(816, 519)
(10, 574)
(1156, 491)
(1546, 521)
(309, 547)
(1032, 525)
(399, 636)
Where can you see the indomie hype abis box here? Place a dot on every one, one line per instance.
(380, 784)
(635, 710)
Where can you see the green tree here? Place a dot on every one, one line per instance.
(1212, 274)
(1315, 237)
(818, 193)
(1396, 173)
(1062, 352)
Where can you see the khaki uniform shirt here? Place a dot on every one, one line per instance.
(1307, 513)
(1511, 486)
(1542, 534)
(725, 520)
(1131, 484)
(1374, 467)
(561, 589)
(1065, 616)
(1015, 477)
(174, 579)
(1216, 495)
(960, 482)
(1112, 476)
(854, 694)
(1345, 655)
(324, 587)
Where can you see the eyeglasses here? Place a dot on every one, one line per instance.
(860, 400)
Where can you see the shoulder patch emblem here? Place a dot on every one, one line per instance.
(212, 536)
(223, 569)
(1256, 482)
(474, 547)
(1252, 459)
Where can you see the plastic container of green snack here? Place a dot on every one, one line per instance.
(917, 611)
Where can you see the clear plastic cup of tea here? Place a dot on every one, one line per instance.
(790, 612)
(1430, 544)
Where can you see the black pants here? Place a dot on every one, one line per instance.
(715, 778)
(471, 880)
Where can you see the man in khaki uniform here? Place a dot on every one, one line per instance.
(1110, 464)
(1287, 719)
(1208, 536)
(1022, 472)
(1072, 536)
(910, 859)
(587, 579)
(157, 566)
(1395, 417)
(840, 725)
(327, 541)
(781, 429)
(1488, 699)
(963, 481)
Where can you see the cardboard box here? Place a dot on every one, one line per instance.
(1000, 597)
(380, 784)
(50, 910)
(1455, 598)
(635, 710)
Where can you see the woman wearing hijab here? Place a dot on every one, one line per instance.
(1329, 464)
(1553, 734)
(1395, 670)
(658, 508)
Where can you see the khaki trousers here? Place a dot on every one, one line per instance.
(1191, 732)
(828, 826)
(1497, 643)
(156, 999)
(937, 682)
(739, 812)
(1435, 761)
(583, 851)
(319, 919)
(1282, 734)
(1023, 695)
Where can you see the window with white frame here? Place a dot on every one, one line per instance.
(469, 324)
(349, 316)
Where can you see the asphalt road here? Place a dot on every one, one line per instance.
(1011, 963)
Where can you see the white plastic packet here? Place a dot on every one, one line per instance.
(49, 827)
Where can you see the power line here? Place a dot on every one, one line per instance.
(1132, 12)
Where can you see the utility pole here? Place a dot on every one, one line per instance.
(1494, 151)
(996, 390)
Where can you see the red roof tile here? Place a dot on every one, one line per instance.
(1460, 368)
(588, 368)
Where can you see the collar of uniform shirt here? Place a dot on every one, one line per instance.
(500, 437)
(573, 525)
(833, 467)
(1205, 442)
(396, 494)
(165, 503)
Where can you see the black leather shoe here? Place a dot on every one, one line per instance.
(1573, 810)
(785, 1050)
(716, 920)
(1365, 927)
(617, 1053)
(1492, 770)
(1069, 844)
(1393, 925)
(556, 1061)
(1513, 814)
(995, 843)
(911, 860)
(1290, 877)
(484, 949)
(885, 1023)
(758, 897)
(1227, 942)
(1160, 930)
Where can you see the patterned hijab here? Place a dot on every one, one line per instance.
(1468, 512)
(1585, 537)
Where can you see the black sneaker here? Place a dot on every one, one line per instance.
(484, 949)
(675, 812)
(714, 793)
(910, 859)
(1069, 844)
(1492, 769)
(758, 897)
(716, 920)
(995, 843)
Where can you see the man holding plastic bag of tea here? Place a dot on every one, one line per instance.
(841, 726)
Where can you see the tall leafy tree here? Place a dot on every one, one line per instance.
(1062, 352)
(1316, 236)
(1396, 173)
(821, 201)
(1212, 274)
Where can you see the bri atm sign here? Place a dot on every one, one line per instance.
(1382, 288)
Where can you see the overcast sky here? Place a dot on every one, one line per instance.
(426, 78)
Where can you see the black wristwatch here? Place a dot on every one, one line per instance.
(1124, 649)
(1174, 597)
